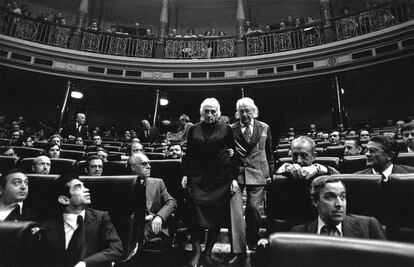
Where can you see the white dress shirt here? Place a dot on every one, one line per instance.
(71, 224)
(322, 224)
(243, 127)
(387, 172)
(6, 211)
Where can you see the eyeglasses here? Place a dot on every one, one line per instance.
(145, 164)
(373, 150)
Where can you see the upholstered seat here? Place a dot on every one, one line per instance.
(27, 152)
(7, 163)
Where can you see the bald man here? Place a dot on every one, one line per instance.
(41, 165)
(161, 204)
(76, 128)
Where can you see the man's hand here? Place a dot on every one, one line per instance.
(149, 217)
(156, 224)
(234, 187)
(184, 182)
(80, 264)
(231, 152)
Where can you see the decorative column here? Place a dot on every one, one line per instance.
(157, 103)
(325, 8)
(65, 102)
(162, 30)
(338, 108)
(80, 23)
(241, 50)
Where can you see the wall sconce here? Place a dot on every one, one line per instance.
(76, 94)
(163, 99)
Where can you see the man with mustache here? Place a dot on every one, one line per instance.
(328, 195)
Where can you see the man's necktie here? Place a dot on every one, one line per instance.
(79, 128)
(329, 230)
(247, 134)
(73, 252)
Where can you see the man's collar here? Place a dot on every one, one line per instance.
(321, 224)
(251, 123)
(14, 205)
(71, 218)
(387, 172)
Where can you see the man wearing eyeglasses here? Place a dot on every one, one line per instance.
(159, 204)
(407, 131)
(381, 152)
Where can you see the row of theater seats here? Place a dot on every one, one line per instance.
(116, 194)
(31, 152)
(351, 164)
(302, 250)
(392, 203)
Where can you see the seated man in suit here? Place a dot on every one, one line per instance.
(352, 147)
(381, 153)
(303, 156)
(407, 131)
(77, 235)
(335, 138)
(14, 187)
(76, 128)
(159, 203)
(328, 195)
(94, 166)
(174, 151)
(148, 134)
(41, 165)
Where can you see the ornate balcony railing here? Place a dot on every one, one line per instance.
(371, 20)
(340, 28)
(197, 48)
(117, 44)
(34, 30)
(284, 40)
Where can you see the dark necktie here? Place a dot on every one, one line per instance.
(73, 252)
(329, 230)
(247, 134)
(146, 133)
(79, 128)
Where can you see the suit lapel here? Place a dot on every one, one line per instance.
(149, 193)
(257, 132)
(89, 225)
(312, 227)
(350, 228)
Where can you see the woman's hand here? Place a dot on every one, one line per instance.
(184, 182)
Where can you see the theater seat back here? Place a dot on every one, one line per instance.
(7, 163)
(365, 195)
(301, 250)
(27, 152)
(20, 244)
(115, 168)
(405, 159)
(115, 194)
(352, 164)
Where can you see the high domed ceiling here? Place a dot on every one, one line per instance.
(183, 14)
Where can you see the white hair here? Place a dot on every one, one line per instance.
(246, 101)
(210, 102)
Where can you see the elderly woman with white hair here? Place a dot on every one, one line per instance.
(209, 175)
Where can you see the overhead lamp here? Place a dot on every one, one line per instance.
(76, 94)
(163, 99)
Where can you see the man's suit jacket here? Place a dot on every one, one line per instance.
(101, 244)
(395, 169)
(26, 215)
(154, 135)
(254, 160)
(71, 129)
(352, 226)
(158, 202)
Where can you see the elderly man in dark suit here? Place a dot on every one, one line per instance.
(381, 152)
(148, 134)
(14, 187)
(328, 195)
(253, 162)
(77, 128)
(79, 236)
